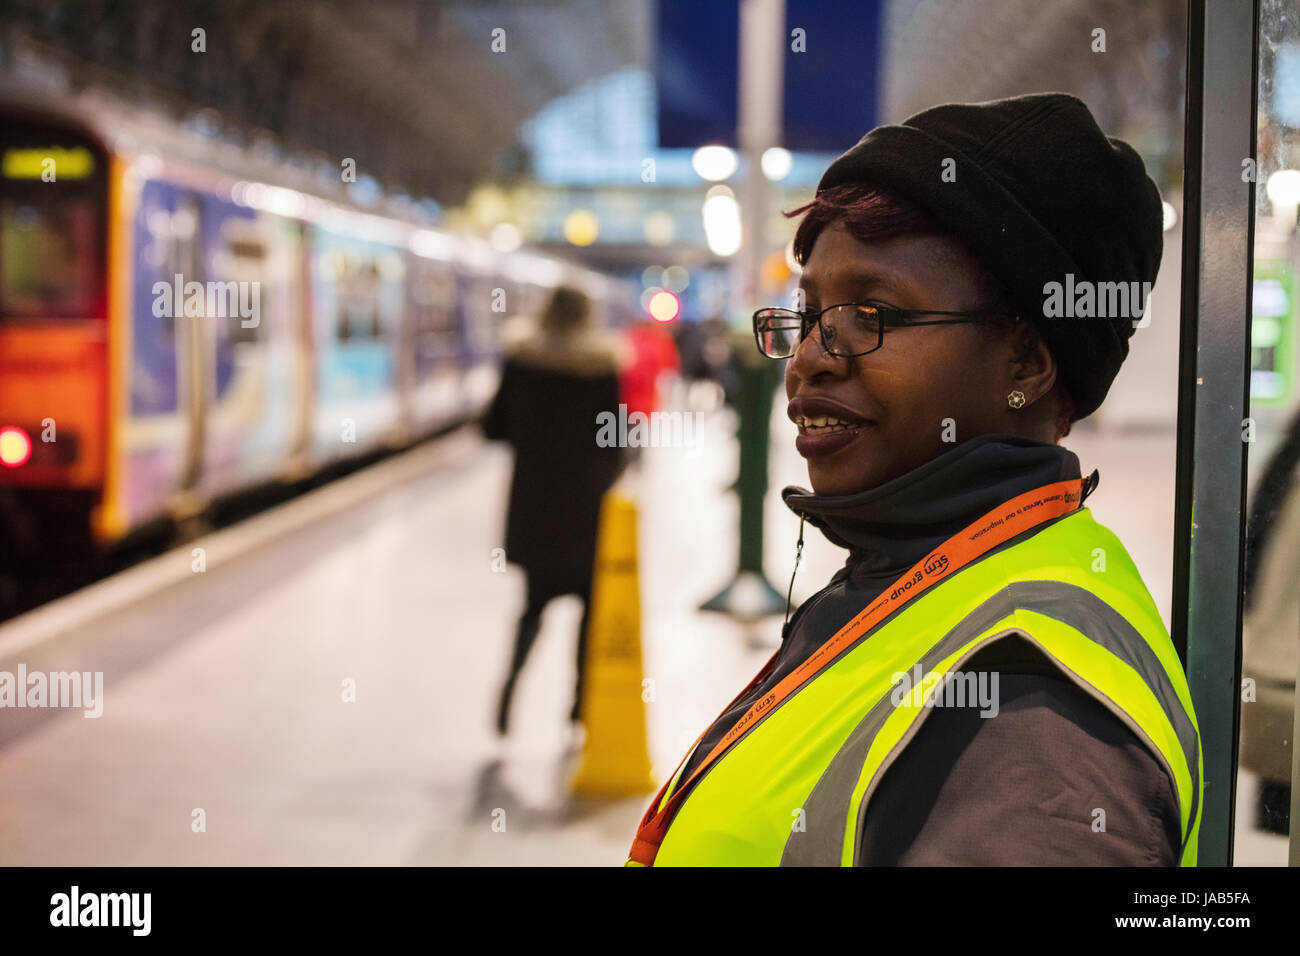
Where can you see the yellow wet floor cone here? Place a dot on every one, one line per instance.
(615, 759)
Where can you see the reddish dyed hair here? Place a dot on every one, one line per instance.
(874, 214)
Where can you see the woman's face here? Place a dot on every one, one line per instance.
(898, 399)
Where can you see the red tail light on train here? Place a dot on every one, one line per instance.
(15, 447)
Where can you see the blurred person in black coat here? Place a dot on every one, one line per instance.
(554, 384)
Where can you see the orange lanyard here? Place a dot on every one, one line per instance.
(1001, 524)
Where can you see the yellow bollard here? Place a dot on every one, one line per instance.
(615, 759)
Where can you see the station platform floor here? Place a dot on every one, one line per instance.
(223, 689)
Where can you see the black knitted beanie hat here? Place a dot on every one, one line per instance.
(1041, 195)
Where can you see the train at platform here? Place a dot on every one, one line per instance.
(182, 319)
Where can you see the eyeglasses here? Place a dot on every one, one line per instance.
(847, 330)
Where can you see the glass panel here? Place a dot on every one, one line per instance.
(38, 230)
(53, 207)
(1271, 624)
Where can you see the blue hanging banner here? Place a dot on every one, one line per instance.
(831, 67)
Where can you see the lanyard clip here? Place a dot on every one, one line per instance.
(798, 557)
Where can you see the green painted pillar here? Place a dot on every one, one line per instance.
(749, 596)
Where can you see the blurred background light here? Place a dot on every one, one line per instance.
(722, 221)
(1170, 216)
(714, 163)
(1284, 187)
(659, 227)
(676, 279)
(505, 236)
(790, 261)
(581, 227)
(777, 163)
(664, 306)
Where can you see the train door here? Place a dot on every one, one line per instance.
(298, 463)
(253, 406)
(480, 298)
(163, 434)
(433, 345)
(189, 332)
(357, 299)
(404, 362)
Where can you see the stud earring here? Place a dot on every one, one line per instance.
(1016, 398)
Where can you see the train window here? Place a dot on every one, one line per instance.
(49, 255)
(53, 212)
(246, 249)
(242, 258)
(482, 324)
(433, 305)
(183, 256)
(357, 295)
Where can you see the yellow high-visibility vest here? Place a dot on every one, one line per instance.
(796, 788)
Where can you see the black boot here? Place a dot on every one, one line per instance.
(525, 635)
(503, 707)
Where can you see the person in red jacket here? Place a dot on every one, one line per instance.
(653, 353)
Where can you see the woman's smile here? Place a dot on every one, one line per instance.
(816, 442)
(825, 426)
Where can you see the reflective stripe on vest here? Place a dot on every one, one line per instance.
(795, 790)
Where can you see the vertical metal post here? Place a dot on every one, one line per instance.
(760, 88)
(1218, 223)
(762, 73)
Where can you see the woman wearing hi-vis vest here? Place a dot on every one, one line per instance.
(987, 679)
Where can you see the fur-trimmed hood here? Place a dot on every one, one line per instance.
(583, 351)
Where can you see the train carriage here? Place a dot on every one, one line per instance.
(181, 320)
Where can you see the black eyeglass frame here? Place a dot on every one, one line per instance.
(890, 318)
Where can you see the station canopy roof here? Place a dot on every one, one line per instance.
(414, 91)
